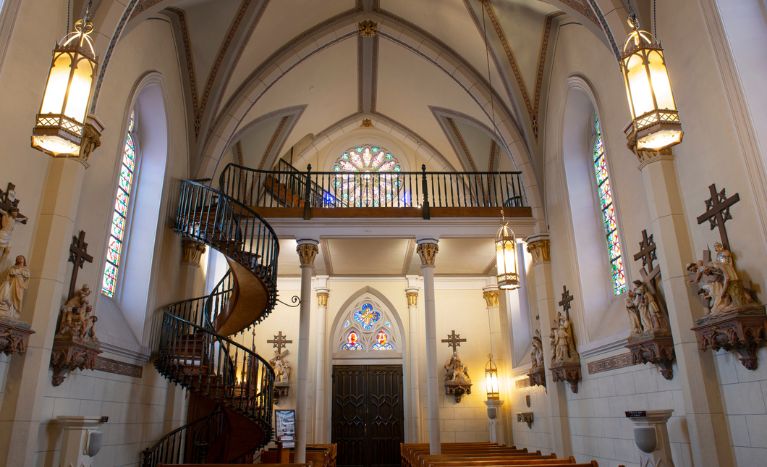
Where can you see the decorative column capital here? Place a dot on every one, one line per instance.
(491, 296)
(648, 157)
(322, 297)
(412, 297)
(427, 250)
(307, 251)
(539, 246)
(193, 251)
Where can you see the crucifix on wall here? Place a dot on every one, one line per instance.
(279, 342)
(648, 254)
(718, 212)
(453, 340)
(9, 202)
(567, 298)
(78, 256)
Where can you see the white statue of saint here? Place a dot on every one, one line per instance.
(633, 311)
(281, 368)
(536, 354)
(13, 288)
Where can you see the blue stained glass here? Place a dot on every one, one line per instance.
(609, 216)
(352, 341)
(372, 179)
(367, 316)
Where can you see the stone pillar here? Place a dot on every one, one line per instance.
(427, 250)
(695, 370)
(651, 437)
(498, 420)
(47, 289)
(415, 393)
(538, 246)
(307, 251)
(82, 440)
(320, 433)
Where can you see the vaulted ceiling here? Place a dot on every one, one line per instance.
(265, 76)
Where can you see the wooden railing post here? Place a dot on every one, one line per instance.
(307, 193)
(425, 186)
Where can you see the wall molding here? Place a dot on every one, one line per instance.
(107, 365)
(615, 362)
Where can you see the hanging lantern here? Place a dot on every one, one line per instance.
(61, 123)
(506, 256)
(491, 380)
(655, 121)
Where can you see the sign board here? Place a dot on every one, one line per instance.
(285, 429)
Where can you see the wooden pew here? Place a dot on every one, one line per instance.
(318, 455)
(481, 455)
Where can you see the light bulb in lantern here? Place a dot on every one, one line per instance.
(506, 256)
(491, 380)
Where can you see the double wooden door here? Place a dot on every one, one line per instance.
(368, 414)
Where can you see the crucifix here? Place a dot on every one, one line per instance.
(279, 342)
(453, 340)
(648, 254)
(78, 255)
(9, 202)
(718, 212)
(567, 297)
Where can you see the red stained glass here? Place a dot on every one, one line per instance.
(367, 185)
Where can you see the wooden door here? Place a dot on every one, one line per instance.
(368, 415)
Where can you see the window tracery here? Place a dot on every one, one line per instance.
(367, 177)
(367, 327)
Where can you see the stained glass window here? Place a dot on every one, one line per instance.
(609, 217)
(367, 176)
(367, 327)
(120, 210)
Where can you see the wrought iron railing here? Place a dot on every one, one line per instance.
(289, 188)
(188, 444)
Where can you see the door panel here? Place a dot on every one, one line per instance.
(368, 414)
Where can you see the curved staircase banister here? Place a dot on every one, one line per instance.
(187, 443)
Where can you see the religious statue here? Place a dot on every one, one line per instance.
(77, 319)
(13, 288)
(719, 285)
(456, 372)
(644, 310)
(536, 355)
(281, 367)
(633, 311)
(8, 221)
(562, 340)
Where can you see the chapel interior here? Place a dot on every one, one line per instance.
(383, 232)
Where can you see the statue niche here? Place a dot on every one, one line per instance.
(280, 366)
(566, 362)
(457, 380)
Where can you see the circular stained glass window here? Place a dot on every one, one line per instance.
(367, 176)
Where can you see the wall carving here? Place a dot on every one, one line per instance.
(615, 362)
(107, 365)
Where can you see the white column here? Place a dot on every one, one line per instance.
(556, 398)
(320, 433)
(695, 370)
(427, 250)
(307, 251)
(415, 392)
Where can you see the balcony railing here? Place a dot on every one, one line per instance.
(288, 192)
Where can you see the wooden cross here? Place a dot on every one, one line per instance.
(78, 255)
(8, 201)
(279, 342)
(566, 299)
(453, 340)
(648, 254)
(718, 212)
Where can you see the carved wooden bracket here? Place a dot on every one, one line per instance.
(280, 390)
(742, 332)
(14, 336)
(570, 372)
(457, 390)
(657, 349)
(537, 376)
(71, 354)
(526, 417)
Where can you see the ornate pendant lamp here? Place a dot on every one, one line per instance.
(655, 121)
(491, 380)
(506, 256)
(60, 126)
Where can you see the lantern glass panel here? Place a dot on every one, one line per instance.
(639, 84)
(491, 384)
(79, 91)
(56, 88)
(660, 82)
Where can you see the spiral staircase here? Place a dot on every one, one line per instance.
(230, 386)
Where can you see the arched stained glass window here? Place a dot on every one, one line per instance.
(367, 328)
(120, 211)
(367, 177)
(609, 216)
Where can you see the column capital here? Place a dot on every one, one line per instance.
(322, 297)
(412, 296)
(427, 250)
(491, 296)
(307, 251)
(539, 246)
(648, 157)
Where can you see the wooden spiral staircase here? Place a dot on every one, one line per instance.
(230, 385)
